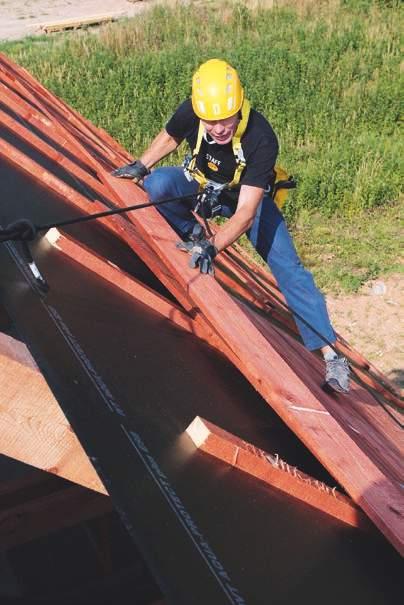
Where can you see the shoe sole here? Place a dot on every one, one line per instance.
(334, 386)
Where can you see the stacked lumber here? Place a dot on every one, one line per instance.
(241, 312)
(65, 24)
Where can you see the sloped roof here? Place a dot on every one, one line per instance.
(241, 312)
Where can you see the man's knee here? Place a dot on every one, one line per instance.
(159, 184)
(291, 273)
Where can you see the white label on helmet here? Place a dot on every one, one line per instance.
(216, 108)
(230, 103)
(201, 106)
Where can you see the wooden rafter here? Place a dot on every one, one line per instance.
(273, 471)
(33, 428)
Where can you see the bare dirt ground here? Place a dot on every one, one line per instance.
(21, 18)
(371, 321)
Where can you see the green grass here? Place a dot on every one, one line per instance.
(344, 254)
(325, 73)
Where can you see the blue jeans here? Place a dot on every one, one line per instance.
(269, 236)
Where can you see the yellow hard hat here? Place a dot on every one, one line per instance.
(217, 93)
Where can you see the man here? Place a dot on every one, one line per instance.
(233, 162)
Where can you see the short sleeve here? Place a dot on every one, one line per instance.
(184, 121)
(260, 163)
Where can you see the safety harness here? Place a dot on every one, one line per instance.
(198, 175)
(282, 182)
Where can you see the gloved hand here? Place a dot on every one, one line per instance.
(201, 249)
(135, 171)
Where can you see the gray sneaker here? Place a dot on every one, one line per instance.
(337, 374)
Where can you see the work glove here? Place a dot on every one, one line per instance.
(201, 249)
(135, 171)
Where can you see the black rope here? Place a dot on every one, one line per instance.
(25, 230)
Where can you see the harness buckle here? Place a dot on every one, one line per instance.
(208, 205)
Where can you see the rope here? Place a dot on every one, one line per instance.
(25, 230)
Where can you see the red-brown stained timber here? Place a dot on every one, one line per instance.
(379, 436)
(47, 151)
(77, 125)
(274, 471)
(128, 284)
(116, 224)
(21, 161)
(235, 280)
(268, 285)
(33, 428)
(40, 174)
(45, 122)
(278, 383)
(31, 112)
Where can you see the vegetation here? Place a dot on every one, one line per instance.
(325, 73)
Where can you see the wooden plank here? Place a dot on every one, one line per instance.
(64, 116)
(278, 383)
(375, 432)
(33, 428)
(32, 114)
(40, 174)
(54, 130)
(265, 288)
(118, 225)
(273, 471)
(58, 26)
(125, 231)
(85, 179)
(126, 283)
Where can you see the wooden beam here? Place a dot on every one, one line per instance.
(262, 285)
(85, 178)
(33, 428)
(273, 471)
(18, 79)
(87, 258)
(58, 26)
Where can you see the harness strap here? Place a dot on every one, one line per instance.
(236, 144)
(283, 182)
(237, 150)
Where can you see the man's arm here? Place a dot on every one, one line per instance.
(241, 221)
(159, 148)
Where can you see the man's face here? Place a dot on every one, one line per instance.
(222, 131)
